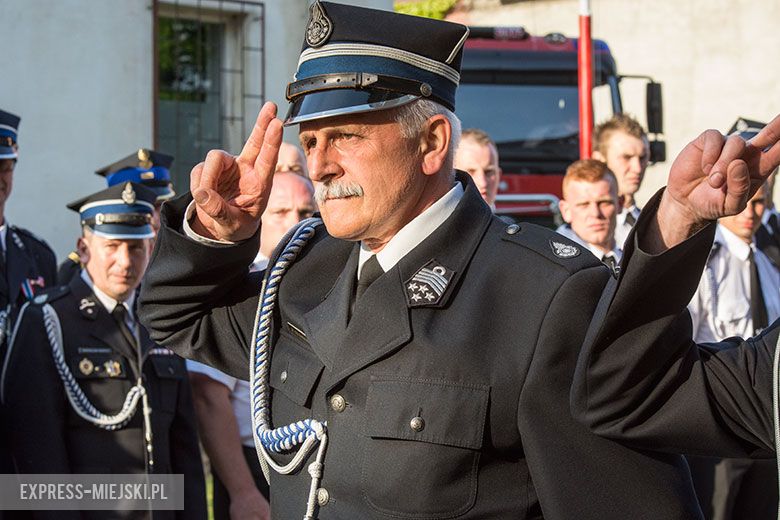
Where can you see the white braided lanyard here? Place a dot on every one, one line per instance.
(302, 434)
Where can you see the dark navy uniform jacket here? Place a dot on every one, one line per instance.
(672, 394)
(49, 437)
(488, 370)
(28, 259)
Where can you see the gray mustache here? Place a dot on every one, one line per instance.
(337, 190)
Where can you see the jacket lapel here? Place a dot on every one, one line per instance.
(326, 323)
(102, 326)
(18, 263)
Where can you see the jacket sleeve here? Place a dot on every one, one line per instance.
(36, 406)
(185, 455)
(577, 474)
(641, 379)
(199, 300)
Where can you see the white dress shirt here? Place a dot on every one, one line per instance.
(623, 227)
(720, 308)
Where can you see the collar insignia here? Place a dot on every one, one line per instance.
(128, 194)
(319, 28)
(562, 250)
(87, 306)
(428, 285)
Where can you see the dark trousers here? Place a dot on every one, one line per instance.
(221, 495)
(735, 489)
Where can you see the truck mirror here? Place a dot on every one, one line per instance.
(655, 105)
(657, 151)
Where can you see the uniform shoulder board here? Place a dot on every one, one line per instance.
(30, 235)
(49, 295)
(551, 245)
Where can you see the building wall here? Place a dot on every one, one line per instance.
(714, 57)
(80, 76)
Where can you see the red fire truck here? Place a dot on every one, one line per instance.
(522, 90)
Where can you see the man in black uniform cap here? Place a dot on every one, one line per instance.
(147, 167)
(430, 364)
(27, 263)
(104, 355)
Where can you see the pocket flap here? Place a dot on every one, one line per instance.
(435, 411)
(294, 369)
(168, 367)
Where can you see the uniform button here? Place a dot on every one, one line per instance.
(323, 497)
(338, 404)
(283, 376)
(512, 229)
(417, 424)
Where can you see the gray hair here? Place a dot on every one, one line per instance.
(412, 116)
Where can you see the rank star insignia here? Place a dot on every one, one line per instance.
(562, 250)
(128, 194)
(319, 27)
(428, 285)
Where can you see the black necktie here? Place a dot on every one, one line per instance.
(757, 304)
(371, 271)
(610, 261)
(120, 316)
(630, 218)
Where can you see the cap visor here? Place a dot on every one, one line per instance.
(331, 103)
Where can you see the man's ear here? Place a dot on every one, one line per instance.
(435, 143)
(82, 250)
(564, 207)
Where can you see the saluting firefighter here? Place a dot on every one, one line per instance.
(101, 355)
(27, 263)
(147, 167)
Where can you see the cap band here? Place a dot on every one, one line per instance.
(381, 51)
(130, 219)
(357, 80)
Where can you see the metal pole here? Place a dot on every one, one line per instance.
(585, 83)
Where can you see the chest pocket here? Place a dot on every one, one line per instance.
(294, 369)
(425, 438)
(169, 373)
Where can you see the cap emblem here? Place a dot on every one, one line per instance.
(143, 159)
(147, 176)
(319, 28)
(128, 194)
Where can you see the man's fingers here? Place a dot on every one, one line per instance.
(269, 153)
(769, 160)
(768, 136)
(254, 142)
(211, 203)
(217, 162)
(195, 176)
(738, 187)
(733, 149)
(711, 144)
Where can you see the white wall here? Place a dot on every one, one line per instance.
(78, 73)
(716, 58)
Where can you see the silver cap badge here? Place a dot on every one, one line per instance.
(128, 194)
(319, 28)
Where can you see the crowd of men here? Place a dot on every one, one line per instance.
(443, 363)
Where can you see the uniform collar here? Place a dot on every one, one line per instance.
(736, 246)
(598, 253)
(415, 231)
(108, 302)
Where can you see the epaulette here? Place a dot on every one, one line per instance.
(74, 257)
(550, 245)
(49, 295)
(30, 234)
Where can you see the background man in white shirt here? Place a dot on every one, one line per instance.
(621, 142)
(590, 206)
